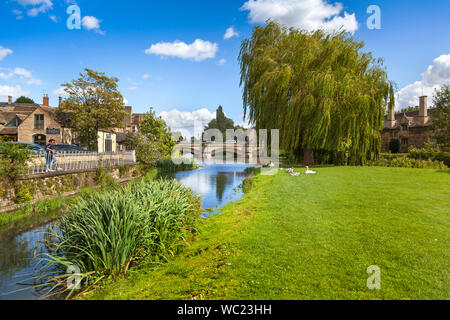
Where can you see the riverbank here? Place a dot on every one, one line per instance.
(313, 237)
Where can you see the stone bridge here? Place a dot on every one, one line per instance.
(240, 151)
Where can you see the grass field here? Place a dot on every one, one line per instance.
(313, 237)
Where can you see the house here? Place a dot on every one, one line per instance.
(130, 125)
(412, 128)
(32, 123)
(35, 123)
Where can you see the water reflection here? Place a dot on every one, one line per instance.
(18, 264)
(218, 184)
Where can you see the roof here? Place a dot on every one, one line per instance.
(8, 131)
(411, 118)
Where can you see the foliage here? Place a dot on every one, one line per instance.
(168, 165)
(394, 146)
(153, 141)
(23, 99)
(94, 104)
(405, 162)
(441, 116)
(320, 90)
(107, 233)
(22, 193)
(221, 123)
(13, 162)
(426, 153)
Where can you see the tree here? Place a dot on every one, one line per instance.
(221, 123)
(23, 99)
(441, 116)
(94, 104)
(13, 162)
(154, 135)
(321, 91)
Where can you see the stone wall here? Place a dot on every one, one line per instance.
(62, 184)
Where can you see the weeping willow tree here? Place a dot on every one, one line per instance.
(320, 90)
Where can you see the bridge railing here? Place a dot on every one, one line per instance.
(79, 161)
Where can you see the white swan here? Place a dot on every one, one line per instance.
(309, 171)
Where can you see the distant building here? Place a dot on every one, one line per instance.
(35, 123)
(409, 128)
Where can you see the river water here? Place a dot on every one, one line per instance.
(217, 184)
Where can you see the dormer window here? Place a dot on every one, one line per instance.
(404, 127)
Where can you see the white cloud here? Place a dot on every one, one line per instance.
(199, 50)
(230, 33)
(303, 14)
(125, 101)
(4, 52)
(92, 23)
(433, 78)
(131, 88)
(22, 74)
(53, 18)
(145, 76)
(38, 6)
(16, 91)
(188, 123)
(60, 92)
(221, 62)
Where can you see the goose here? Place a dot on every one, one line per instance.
(309, 171)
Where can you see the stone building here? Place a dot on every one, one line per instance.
(409, 128)
(33, 123)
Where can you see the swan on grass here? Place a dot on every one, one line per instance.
(309, 171)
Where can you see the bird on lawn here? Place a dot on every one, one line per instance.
(309, 171)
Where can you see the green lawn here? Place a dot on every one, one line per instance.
(313, 237)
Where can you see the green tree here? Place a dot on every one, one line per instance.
(154, 135)
(320, 90)
(441, 116)
(94, 104)
(221, 122)
(23, 99)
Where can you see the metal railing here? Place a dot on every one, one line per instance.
(81, 161)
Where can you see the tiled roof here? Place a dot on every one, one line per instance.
(8, 131)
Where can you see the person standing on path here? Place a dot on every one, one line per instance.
(50, 155)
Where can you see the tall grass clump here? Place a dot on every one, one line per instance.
(108, 233)
(168, 165)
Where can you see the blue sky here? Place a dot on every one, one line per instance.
(189, 80)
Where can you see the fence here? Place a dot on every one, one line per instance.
(79, 161)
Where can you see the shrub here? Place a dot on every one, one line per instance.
(105, 234)
(394, 146)
(13, 162)
(22, 193)
(167, 164)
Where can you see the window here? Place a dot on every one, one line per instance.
(404, 127)
(39, 121)
(404, 141)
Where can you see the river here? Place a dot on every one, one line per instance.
(217, 184)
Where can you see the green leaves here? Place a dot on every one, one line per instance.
(94, 104)
(320, 90)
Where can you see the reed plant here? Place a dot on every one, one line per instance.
(107, 233)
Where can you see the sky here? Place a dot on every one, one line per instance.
(180, 57)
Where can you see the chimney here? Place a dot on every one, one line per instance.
(9, 100)
(60, 101)
(45, 103)
(423, 109)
